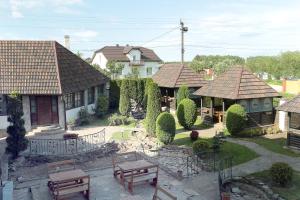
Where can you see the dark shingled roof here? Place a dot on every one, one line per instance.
(45, 68)
(174, 75)
(237, 83)
(291, 106)
(118, 53)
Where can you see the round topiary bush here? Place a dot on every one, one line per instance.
(165, 128)
(194, 135)
(236, 119)
(200, 146)
(281, 173)
(183, 93)
(187, 113)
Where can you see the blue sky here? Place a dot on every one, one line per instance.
(244, 27)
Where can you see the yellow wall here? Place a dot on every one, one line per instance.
(293, 87)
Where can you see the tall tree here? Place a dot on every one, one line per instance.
(115, 68)
(16, 140)
(124, 103)
(147, 85)
(153, 108)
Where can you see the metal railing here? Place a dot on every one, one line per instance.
(82, 144)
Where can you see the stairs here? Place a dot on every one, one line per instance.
(47, 130)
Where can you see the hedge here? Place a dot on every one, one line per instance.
(165, 127)
(153, 107)
(187, 113)
(124, 105)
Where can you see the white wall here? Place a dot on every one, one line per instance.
(100, 60)
(136, 53)
(282, 118)
(3, 122)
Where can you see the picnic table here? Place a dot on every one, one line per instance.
(66, 182)
(137, 171)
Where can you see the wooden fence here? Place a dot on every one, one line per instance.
(82, 144)
(293, 139)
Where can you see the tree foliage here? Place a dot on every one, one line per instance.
(187, 113)
(147, 85)
(115, 68)
(102, 106)
(165, 127)
(182, 93)
(124, 104)
(16, 140)
(236, 119)
(153, 107)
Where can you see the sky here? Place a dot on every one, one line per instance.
(225, 27)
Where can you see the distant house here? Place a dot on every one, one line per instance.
(53, 82)
(136, 59)
(173, 75)
(238, 85)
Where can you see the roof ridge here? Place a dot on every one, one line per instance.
(239, 83)
(56, 64)
(182, 66)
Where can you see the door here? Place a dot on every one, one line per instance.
(44, 116)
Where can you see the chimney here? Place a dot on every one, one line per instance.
(127, 45)
(117, 45)
(67, 41)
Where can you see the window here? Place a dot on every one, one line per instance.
(79, 99)
(149, 71)
(2, 104)
(33, 108)
(135, 71)
(100, 89)
(295, 121)
(91, 95)
(134, 57)
(54, 104)
(69, 101)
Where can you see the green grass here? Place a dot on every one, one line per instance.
(274, 145)
(104, 122)
(274, 82)
(291, 192)
(239, 153)
(119, 137)
(199, 125)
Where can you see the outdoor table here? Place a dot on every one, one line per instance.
(130, 166)
(65, 175)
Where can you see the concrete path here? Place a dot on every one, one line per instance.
(264, 162)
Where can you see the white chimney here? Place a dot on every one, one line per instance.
(67, 41)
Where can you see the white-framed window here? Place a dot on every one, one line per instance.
(134, 57)
(149, 71)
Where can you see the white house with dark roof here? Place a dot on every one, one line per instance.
(143, 60)
(54, 83)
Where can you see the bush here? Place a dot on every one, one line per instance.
(200, 146)
(187, 113)
(83, 117)
(183, 93)
(258, 131)
(165, 128)
(147, 86)
(114, 94)
(124, 104)
(216, 144)
(101, 106)
(116, 120)
(194, 135)
(281, 173)
(153, 108)
(236, 119)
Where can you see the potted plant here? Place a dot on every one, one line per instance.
(71, 124)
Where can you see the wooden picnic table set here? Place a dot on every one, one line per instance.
(65, 179)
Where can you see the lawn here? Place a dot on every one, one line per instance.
(274, 82)
(292, 192)
(105, 122)
(199, 125)
(118, 136)
(239, 153)
(274, 145)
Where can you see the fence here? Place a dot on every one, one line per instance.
(82, 144)
(293, 139)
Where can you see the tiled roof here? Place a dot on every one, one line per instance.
(174, 75)
(237, 83)
(118, 53)
(43, 67)
(291, 106)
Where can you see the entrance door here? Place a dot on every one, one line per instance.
(44, 110)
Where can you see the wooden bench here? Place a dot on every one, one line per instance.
(60, 166)
(69, 186)
(161, 194)
(122, 157)
(141, 175)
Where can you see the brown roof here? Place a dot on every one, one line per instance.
(291, 106)
(118, 53)
(237, 83)
(43, 67)
(174, 75)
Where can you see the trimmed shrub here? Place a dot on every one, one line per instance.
(116, 120)
(216, 144)
(140, 92)
(101, 106)
(83, 117)
(165, 127)
(236, 119)
(147, 85)
(153, 108)
(114, 94)
(183, 93)
(200, 146)
(133, 88)
(187, 113)
(124, 105)
(194, 135)
(281, 173)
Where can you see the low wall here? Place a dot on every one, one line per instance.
(72, 114)
(3, 122)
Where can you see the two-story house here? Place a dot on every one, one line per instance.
(136, 60)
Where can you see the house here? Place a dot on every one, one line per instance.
(53, 82)
(173, 75)
(136, 59)
(238, 85)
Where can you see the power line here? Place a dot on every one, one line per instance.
(159, 36)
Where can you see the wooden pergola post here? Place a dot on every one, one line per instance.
(211, 108)
(223, 110)
(201, 105)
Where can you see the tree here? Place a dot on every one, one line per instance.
(114, 68)
(102, 106)
(147, 85)
(187, 113)
(103, 71)
(165, 127)
(140, 92)
(153, 107)
(236, 119)
(182, 93)
(124, 104)
(16, 140)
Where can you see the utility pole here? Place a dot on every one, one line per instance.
(183, 29)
